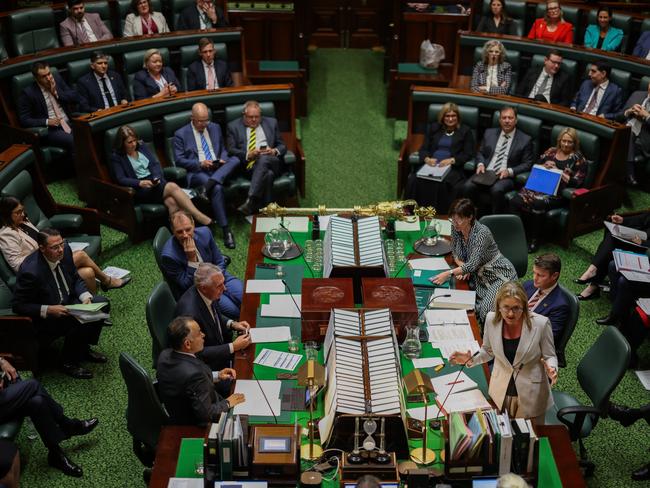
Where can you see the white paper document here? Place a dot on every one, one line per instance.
(278, 359)
(115, 272)
(446, 317)
(448, 382)
(418, 412)
(445, 226)
(185, 483)
(430, 264)
(270, 334)
(78, 246)
(644, 378)
(465, 401)
(413, 224)
(265, 286)
(423, 363)
(282, 306)
(439, 334)
(625, 233)
(255, 403)
(633, 266)
(449, 347)
(294, 224)
(324, 221)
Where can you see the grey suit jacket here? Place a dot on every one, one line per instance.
(532, 384)
(70, 30)
(237, 137)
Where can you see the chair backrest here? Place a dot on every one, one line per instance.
(124, 9)
(569, 66)
(235, 111)
(189, 54)
(3, 51)
(160, 312)
(643, 84)
(171, 123)
(468, 115)
(142, 128)
(510, 237)
(145, 414)
(569, 325)
(516, 9)
(23, 80)
(176, 6)
(133, 62)
(589, 147)
(602, 367)
(21, 188)
(33, 30)
(530, 125)
(76, 69)
(620, 21)
(570, 14)
(159, 240)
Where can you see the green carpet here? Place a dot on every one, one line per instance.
(351, 159)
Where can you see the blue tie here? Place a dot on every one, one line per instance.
(205, 147)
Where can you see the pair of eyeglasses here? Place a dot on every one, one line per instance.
(514, 310)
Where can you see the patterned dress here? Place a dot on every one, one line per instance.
(487, 267)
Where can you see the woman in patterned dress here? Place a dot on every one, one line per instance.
(477, 257)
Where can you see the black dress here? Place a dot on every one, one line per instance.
(487, 25)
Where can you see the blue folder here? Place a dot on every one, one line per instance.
(544, 180)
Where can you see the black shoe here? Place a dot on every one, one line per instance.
(226, 260)
(76, 371)
(533, 246)
(107, 286)
(642, 474)
(609, 320)
(631, 181)
(95, 357)
(623, 415)
(57, 459)
(229, 240)
(247, 207)
(595, 295)
(582, 282)
(81, 427)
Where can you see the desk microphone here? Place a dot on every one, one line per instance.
(456, 381)
(264, 395)
(293, 299)
(424, 334)
(302, 253)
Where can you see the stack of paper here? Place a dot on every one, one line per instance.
(115, 272)
(256, 403)
(270, 334)
(88, 312)
(633, 266)
(410, 225)
(265, 286)
(371, 247)
(446, 317)
(429, 264)
(458, 299)
(282, 306)
(440, 336)
(447, 348)
(278, 359)
(460, 436)
(465, 401)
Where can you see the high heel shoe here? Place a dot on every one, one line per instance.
(107, 286)
(592, 296)
(583, 282)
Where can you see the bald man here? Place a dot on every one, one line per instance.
(199, 148)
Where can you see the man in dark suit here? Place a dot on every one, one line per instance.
(200, 149)
(81, 27)
(598, 95)
(201, 302)
(208, 73)
(47, 281)
(185, 383)
(203, 15)
(550, 84)
(101, 88)
(544, 294)
(506, 151)
(636, 114)
(20, 398)
(184, 251)
(258, 144)
(47, 103)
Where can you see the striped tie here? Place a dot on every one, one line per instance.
(252, 144)
(534, 300)
(205, 147)
(500, 162)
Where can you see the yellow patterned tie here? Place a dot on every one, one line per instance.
(252, 142)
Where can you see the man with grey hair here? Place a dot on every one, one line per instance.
(201, 302)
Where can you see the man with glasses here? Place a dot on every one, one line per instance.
(199, 147)
(598, 95)
(208, 73)
(550, 84)
(46, 283)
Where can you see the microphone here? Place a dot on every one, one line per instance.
(455, 381)
(264, 395)
(292, 298)
(302, 254)
(423, 333)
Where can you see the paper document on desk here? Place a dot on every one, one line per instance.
(278, 359)
(265, 286)
(294, 224)
(282, 306)
(446, 317)
(439, 334)
(255, 403)
(115, 272)
(418, 412)
(465, 401)
(449, 347)
(644, 378)
(430, 264)
(423, 363)
(459, 299)
(280, 333)
(633, 266)
(185, 483)
(443, 384)
(408, 226)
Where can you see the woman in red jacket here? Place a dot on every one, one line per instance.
(552, 27)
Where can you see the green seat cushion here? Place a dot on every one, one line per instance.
(563, 400)
(9, 430)
(415, 68)
(65, 222)
(175, 174)
(152, 210)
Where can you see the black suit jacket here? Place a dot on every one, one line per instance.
(462, 148)
(186, 389)
(520, 157)
(189, 19)
(32, 110)
(196, 75)
(561, 88)
(643, 139)
(90, 91)
(216, 352)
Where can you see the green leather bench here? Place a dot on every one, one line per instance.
(189, 54)
(33, 30)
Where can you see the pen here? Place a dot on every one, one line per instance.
(455, 382)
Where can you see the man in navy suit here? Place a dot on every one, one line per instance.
(203, 15)
(505, 150)
(642, 47)
(200, 149)
(201, 302)
(208, 73)
(47, 281)
(183, 253)
(47, 103)
(544, 294)
(598, 95)
(101, 88)
(257, 143)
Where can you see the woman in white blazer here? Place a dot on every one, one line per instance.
(144, 21)
(521, 344)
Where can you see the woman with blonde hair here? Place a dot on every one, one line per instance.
(521, 344)
(493, 74)
(154, 80)
(552, 27)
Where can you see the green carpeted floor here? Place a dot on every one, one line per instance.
(350, 160)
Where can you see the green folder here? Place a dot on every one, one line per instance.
(422, 277)
(87, 307)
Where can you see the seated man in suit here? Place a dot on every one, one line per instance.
(506, 151)
(185, 383)
(81, 27)
(27, 398)
(550, 84)
(203, 15)
(598, 95)
(642, 46)
(200, 149)
(47, 281)
(258, 144)
(544, 294)
(636, 114)
(184, 251)
(201, 302)
(208, 73)
(623, 294)
(47, 103)
(101, 88)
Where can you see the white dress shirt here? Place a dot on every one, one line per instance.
(511, 136)
(50, 102)
(110, 89)
(547, 89)
(60, 278)
(599, 94)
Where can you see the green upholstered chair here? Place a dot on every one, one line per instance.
(145, 414)
(599, 372)
(620, 21)
(510, 237)
(162, 236)
(512, 57)
(9, 430)
(189, 54)
(133, 61)
(643, 83)
(33, 30)
(4, 55)
(569, 326)
(18, 341)
(124, 9)
(78, 68)
(160, 312)
(175, 7)
(621, 77)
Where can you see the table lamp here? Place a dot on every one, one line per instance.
(417, 382)
(311, 374)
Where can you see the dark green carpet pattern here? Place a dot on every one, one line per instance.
(350, 160)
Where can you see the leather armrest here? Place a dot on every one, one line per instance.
(39, 131)
(521, 179)
(66, 221)
(175, 173)
(580, 412)
(414, 158)
(568, 193)
(470, 166)
(289, 158)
